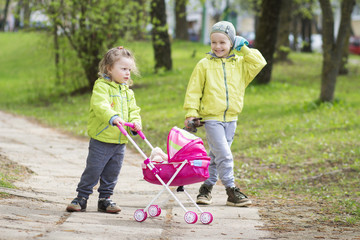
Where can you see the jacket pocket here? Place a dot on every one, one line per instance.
(101, 130)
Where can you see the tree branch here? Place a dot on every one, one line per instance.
(347, 7)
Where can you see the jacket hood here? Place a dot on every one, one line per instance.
(211, 55)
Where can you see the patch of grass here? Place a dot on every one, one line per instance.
(4, 195)
(11, 172)
(287, 145)
(4, 181)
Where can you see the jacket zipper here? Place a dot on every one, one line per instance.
(226, 89)
(122, 111)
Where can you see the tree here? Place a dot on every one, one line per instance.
(3, 21)
(333, 46)
(92, 27)
(306, 25)
(283, 43)
(343, 70)
(181, 29)
(23, 11)
(266, 34)
(27, 13)
(160, 35)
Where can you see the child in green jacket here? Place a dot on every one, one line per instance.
(216, 93)
(112, 103)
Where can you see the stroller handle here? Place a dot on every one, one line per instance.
(132, 125)
(141, 134)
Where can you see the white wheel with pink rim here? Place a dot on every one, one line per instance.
(140, 215)
(159, 211)
(154, 210)
(206, 218)
(190, 217)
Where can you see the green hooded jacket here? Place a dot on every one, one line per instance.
(109, 99)
(217, 85)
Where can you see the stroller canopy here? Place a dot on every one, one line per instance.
(183, 145)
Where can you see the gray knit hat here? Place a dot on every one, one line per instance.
(226, 28)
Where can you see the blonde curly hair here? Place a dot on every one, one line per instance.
(112, 56)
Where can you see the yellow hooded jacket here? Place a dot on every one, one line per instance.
(217, 85)
(108, 99)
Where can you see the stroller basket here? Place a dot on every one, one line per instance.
(193, 172)
(181, 146)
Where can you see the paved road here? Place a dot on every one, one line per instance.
(38, 209)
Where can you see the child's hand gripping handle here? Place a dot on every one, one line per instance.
(122, 130)
(193, 123)
(141, 134)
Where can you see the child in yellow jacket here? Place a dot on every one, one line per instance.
(215, 93)
(112, 104)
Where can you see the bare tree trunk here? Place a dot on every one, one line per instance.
(295, 29)
(160, 36)
(91, 72)
(27, 13)
(283, 44)
(345, 55)
(57, 53)
(181, 29)
(333, 49)
(266, 34)
(306, 30)
(3, 21)
(17, 15)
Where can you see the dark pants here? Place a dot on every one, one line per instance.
(103, 163)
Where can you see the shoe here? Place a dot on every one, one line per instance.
(204, 196)
(77, 205)
(237, 198)
(107, 205)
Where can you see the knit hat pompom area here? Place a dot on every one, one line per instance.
(226, 28)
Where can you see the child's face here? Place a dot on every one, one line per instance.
(120, 71)
(220, 45)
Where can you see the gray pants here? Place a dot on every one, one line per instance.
(103, 163)
(220, 136)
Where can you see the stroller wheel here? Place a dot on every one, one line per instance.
(206, 218)
(190, 217)
(140, 215)
(154, 210)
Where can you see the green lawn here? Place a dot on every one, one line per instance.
(286, 145)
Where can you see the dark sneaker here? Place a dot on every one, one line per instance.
(107, 205)
(77, 205)
(237, 198)
(204, 196)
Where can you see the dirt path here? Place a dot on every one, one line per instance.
(35, 209)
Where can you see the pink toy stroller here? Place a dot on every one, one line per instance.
(187, 164)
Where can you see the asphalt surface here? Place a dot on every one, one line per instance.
(36, 209)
